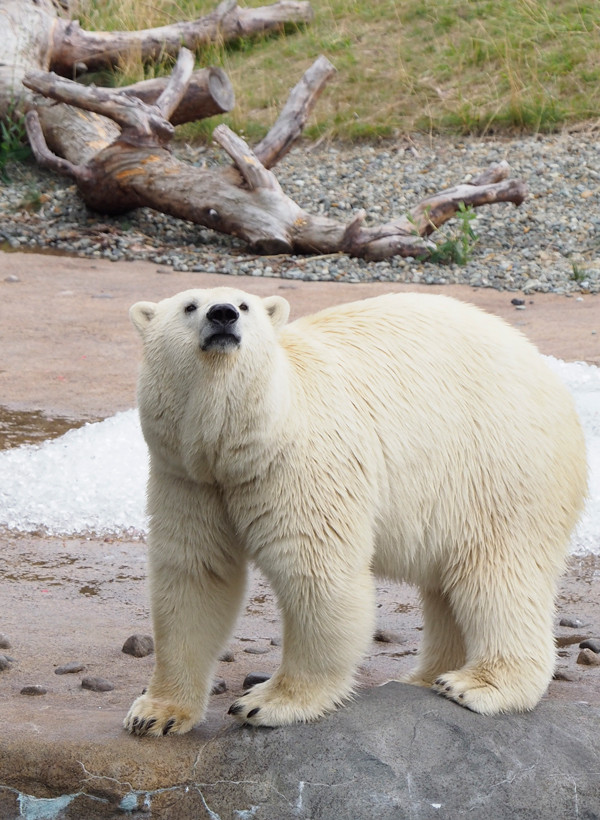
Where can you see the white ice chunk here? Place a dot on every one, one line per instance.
(91, 480)
(583, 380)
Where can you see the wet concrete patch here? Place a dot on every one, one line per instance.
(19, 427)
(38, 565)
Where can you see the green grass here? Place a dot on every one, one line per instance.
(449, 66)
(13, 142)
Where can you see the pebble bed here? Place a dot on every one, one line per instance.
(551, 243)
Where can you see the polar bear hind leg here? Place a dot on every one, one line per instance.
(510, 651)
(442, 646)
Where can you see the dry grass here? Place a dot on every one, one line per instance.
(470, 66)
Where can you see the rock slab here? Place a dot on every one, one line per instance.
(396, 752)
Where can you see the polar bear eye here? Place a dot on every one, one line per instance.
(191, 307)
(243, 306)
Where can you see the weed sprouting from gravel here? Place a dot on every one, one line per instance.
(13, 141)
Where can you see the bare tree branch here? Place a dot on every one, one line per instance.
(42, 153)
(251, 168)
(295, 112)
(179, 80)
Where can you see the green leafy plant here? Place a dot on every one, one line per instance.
(13, 141)
(578, 272)
(457, 246)
(33, 199)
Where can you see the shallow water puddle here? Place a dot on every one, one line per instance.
(19, 427)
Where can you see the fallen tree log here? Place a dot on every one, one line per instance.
(138, 169)
(36, 37)
(99, 49)
(78, 135)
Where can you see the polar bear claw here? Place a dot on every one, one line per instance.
(156, 718)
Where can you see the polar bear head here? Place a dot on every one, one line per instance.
(216, 322)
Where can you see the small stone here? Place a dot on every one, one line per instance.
(569, 640)
(4, 642)
(256, 650)
(252, 678)
(227, 656)
(5, 662)
(591, 643)
(139, 646)
(276, 641)
(572, 623)
(69, 668)
(388, 636)
(12, 278)
(34, 690)
(588, 658)
(97, 684)
(560, 674)
(517, 302)
(219, 686)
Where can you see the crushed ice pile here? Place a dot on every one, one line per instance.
(583, 380)
(92, 479)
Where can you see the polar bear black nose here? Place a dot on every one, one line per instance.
(223, 315)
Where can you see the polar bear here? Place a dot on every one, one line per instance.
(408, 436)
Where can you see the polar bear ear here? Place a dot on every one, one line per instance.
(278, 310)
(141, 314)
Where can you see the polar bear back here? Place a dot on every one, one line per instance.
(458, 417)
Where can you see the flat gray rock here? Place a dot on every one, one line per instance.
(397, 752)
(402, 752)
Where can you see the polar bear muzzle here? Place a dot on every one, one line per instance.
(219, 331)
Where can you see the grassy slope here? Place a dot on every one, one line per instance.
(470, 66)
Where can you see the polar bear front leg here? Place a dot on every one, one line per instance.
(328, 623)
(197, 579)
(193, 617)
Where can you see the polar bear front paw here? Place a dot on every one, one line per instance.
(150, 716)
(275, 703)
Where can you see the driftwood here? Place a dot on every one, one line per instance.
(115, 144)
(99, 49)
(138, 169)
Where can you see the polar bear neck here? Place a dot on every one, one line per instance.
(222, 422)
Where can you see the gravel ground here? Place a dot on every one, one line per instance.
(551, 243)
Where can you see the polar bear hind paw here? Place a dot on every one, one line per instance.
(153, 717)
(480, 693)
(269, 704)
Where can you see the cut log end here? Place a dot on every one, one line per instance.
(221, 89)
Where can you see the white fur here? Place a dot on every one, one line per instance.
(411, 437)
